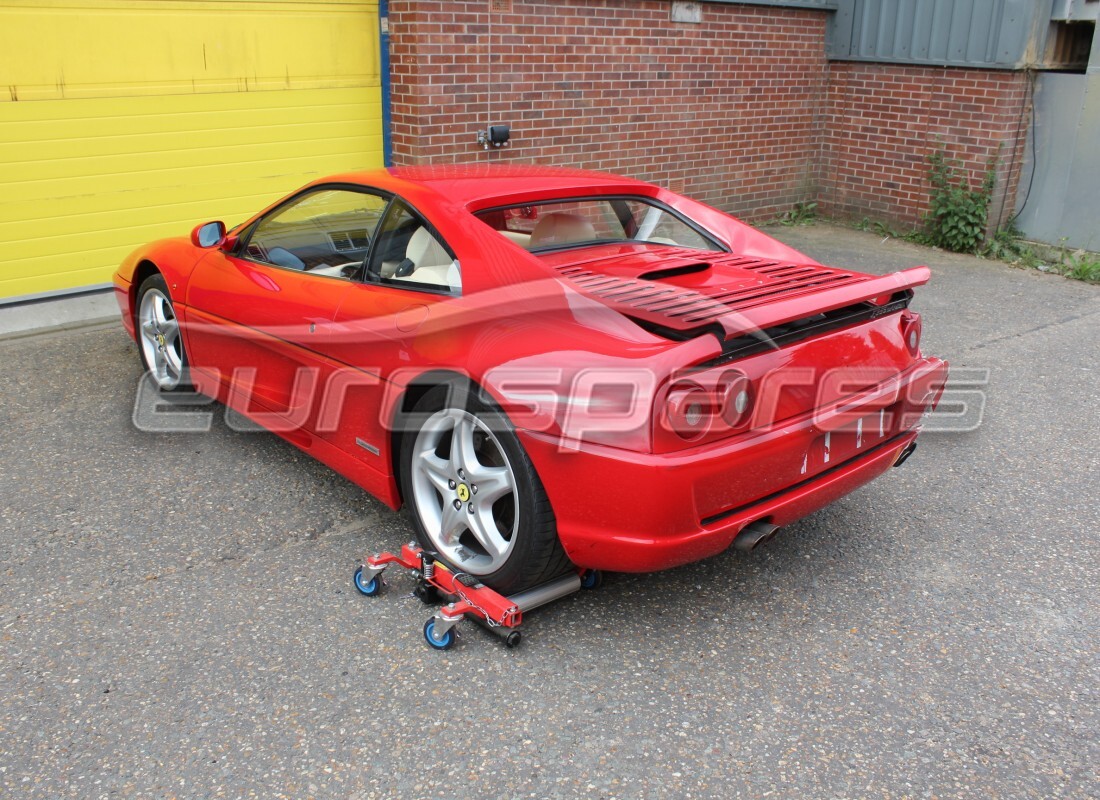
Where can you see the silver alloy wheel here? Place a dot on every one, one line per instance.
(160, 338)
(464, 491)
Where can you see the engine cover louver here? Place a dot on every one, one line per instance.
(765, 282)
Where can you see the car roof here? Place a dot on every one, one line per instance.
(469, 183)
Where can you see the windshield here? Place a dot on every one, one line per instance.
(580, 222)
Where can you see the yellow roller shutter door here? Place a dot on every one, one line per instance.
(125, 121)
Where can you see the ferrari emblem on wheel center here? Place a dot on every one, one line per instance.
(463, 492)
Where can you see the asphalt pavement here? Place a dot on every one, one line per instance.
(177, 617)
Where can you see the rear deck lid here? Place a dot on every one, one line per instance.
(685, 291)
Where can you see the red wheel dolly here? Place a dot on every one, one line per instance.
(466, 597)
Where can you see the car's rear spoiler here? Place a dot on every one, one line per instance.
(781, 311)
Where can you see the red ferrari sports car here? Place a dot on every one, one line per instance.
(551, 369)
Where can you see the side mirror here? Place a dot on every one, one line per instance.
(210, 234)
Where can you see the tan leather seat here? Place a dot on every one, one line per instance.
(431, 263)
(517, 237)
(561, 228)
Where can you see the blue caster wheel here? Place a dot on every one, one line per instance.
(445, 642)
(591, 579)
(369, 588)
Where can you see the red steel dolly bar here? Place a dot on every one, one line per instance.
(466, 597)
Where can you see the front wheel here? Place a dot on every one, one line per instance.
(158, 336)
(473, 494)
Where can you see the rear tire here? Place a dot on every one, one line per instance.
(473, 495)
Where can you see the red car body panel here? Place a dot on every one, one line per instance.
(641, 512)
(635, 498)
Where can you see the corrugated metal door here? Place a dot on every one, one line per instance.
(122, 121)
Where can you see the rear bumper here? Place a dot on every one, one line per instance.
(639, 512)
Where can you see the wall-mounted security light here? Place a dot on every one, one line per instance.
(494, 136)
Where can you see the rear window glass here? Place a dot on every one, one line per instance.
(588, 221)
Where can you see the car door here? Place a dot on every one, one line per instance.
(382, 327)
(262, 311)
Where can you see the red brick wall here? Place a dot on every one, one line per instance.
(742, 111)
(883, 120)
(725, 111)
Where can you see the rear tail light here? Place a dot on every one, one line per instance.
(735, 398)
(694, 410)
(689, 410)
(910, 331)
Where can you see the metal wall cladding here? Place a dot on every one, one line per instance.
(1002, 34)
(1076, 10)
(824, 5)
(1058, 201)
(124, 121)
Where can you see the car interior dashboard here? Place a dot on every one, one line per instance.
(333, 245)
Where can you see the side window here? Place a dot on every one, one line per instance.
(408, 253)
(327, 232)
